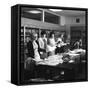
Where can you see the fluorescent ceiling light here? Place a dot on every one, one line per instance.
(34, 11)
(56, 10)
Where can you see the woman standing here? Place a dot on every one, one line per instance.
(51, 44)
(32, 46)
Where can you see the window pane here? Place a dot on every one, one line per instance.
(51, 18)
(31, 13)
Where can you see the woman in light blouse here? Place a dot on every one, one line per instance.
(33, 47)
(51, 44)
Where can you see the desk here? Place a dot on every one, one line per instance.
(55, 69)
(59, 72)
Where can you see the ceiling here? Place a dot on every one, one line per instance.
(70, 12)
(63, 12)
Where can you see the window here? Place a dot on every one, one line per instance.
(32, 13)
(51, 18)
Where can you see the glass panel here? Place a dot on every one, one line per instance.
(51, 18)
(31, 13)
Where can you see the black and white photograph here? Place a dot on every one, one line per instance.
(51, 45)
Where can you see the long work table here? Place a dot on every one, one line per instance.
(65, 66)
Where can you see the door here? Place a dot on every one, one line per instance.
(76, 34)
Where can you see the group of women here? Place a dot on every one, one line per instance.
(42, 47)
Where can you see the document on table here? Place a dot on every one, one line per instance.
(52, 60)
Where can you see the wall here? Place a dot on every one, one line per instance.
(71, 20)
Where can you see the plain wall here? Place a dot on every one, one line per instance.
(71, 20)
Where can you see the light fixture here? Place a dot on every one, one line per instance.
(56, 10)
(34, 11)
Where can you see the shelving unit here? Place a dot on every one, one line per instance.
(22, 44)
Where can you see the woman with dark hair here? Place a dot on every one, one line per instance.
(51, 44)
(60, 38)
(61, 46)
(51, 35)
(42, 41)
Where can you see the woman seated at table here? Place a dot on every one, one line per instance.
(60, 44)
(51, 44)
(61, 37)
(78, 44)
(60, 41)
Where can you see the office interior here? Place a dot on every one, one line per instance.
(70, 23)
